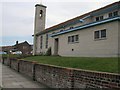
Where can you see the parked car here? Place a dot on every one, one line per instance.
(17, 52)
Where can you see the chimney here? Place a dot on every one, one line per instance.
(16, 42)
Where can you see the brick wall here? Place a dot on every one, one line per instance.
(54, 77)
(59, 77)
(92, 79)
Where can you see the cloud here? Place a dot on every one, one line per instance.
(17, 21)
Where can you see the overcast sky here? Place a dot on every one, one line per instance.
(17, 16)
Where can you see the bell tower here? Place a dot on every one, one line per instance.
(39, 23)
(40, 15)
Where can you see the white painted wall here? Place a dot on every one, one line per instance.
(87, 46)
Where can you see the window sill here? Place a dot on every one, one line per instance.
(73, 42)
(100, 39)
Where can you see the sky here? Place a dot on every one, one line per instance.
(17, 16)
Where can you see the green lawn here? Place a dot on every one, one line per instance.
(96, 64)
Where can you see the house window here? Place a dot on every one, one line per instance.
(46, 41)
(101, 34)
(73, 39)
(112, 14)
(41, 41)
(71, 27)
(115, 13)
(24, 47)
(99, 18)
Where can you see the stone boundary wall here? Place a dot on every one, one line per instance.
(59, 77)
(26, 68)
(6, 61)
(14, 64)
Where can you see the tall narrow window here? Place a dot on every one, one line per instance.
(46, 41)
(41, 41)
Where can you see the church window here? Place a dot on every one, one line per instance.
(101, 34)
(41, 13)
(46, 41)
(73, 39)
(41, 41)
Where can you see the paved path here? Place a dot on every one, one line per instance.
(13, 79)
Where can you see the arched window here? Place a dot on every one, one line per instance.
(41, 12)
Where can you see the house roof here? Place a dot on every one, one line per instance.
(74, 19)
(25, 42)
(4, 48)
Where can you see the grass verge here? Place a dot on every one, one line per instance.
(87, 63)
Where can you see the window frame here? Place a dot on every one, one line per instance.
(73, 39)
(110, 15)
(99, 18)
(100, 36)
(115, 13)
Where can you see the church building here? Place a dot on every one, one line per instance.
(93, 34)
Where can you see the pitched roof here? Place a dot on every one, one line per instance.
(74, 19)
(22, 43)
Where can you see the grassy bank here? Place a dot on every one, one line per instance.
(96, 64)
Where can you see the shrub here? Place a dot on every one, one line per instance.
(48, 53)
